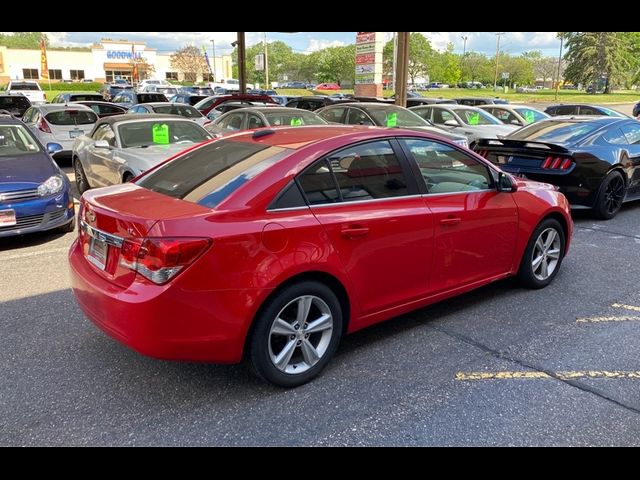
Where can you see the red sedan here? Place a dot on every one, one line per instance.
(272, 244)
(327, 86)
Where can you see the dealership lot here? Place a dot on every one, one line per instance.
(499, 366)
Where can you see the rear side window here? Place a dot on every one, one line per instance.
(151, 97)
(209, 174)
(17, 101)
(71, 117)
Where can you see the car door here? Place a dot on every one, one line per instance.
(631, 132)
(100, 160)
(367, 201)
(475, 225)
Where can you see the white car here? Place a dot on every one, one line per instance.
(144, 83)
(29, 89)
(168, 108)
(58, 125)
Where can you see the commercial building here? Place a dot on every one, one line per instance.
(104, 62)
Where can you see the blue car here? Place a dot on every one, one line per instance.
(35, 195)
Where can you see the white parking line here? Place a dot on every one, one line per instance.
(626, 307)
(620, 318)
(33, 254)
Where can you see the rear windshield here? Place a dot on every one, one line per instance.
(79, 97)
(15, 102)
(151, 97)
(24, 86)
(164, 132)
(71, 117)
(477, 117)
(209, 174)
(555, 132)
(177, 109)
(391, 116)
(16, 140)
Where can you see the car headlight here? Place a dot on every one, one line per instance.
(51, 185)
(462, 142)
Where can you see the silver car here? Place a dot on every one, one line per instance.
(259, 117)
(123, 146)
(471, 122)
(168, 108)
(58, 125)
(515, 114)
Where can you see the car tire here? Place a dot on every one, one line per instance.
(82, 184)
(127, 177)
(544, 251)
(288, 350)
(610, 196)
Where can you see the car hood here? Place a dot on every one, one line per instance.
(34, 168)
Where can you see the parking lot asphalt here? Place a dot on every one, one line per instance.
(498, 366)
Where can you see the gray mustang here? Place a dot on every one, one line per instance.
(123, 146)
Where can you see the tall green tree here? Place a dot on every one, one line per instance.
(336, 64)
(420, 55)
(279, 57)
(593, 57)
(190, 61)
(476, 67)
(29, 40)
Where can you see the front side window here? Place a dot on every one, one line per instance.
(288, 119)
(105, 132)
(331, 114)
(530, 115)
(446, 169)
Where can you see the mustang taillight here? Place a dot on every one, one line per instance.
(556, 163)
(159, 259)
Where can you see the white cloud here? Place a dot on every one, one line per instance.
(315, 45)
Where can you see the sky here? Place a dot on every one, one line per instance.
(305, 42)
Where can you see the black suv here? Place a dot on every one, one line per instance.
(67, 97)
(315, 102)
(110, 90)
(130, 98)
(16, 105)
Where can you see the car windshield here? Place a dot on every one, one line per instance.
(210, 174)
(177, 109)
(390, 116)
(16, 140)
(24, 86)
(555, 132)
(476, 117)
(531, 115)
(71, 117)
(298, 118)
(160, 132)
(79, 97)
(17, 101)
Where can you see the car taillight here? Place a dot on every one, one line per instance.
(556, 163)
(42, 125)
(159, 259)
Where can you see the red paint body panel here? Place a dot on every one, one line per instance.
(396, 254)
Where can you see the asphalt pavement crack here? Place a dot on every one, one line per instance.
(522, 363)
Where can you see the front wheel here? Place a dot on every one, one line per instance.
(543, 255)
(296, 334)
(82, 184)
(611, 195)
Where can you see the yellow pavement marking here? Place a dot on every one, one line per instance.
(626, 307)
(534, 375)
(620, 318)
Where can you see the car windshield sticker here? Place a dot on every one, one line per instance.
(529, 117)
(161, 133)
(296, 122)
(474, 118)
(392, 120)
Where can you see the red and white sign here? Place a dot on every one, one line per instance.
(365, 37)
(366, 58)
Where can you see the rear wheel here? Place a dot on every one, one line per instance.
(82, 184)
(543, 256)
(611, 195)
(296, 334)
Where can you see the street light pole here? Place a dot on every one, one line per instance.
(266, 63)
(495, 78)
(464, 45)
(213, 59)
(559, 63)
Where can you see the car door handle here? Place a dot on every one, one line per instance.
(450, 221)
(354, 231)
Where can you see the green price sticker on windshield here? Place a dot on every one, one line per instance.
(474, 118)
(529, 116)
(392, 120)
(296, 122)
(160, 133)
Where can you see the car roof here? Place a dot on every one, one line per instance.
(168, 104)
(268, 109)
(299, 137)
(136, 116)
(600, 119)
(56, 107)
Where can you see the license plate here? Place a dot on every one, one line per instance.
(7, 218)
(75, 133)
(97, 253)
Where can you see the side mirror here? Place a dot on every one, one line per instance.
(506, 183)
(451, 123)
(53, 147)
(516, 122)
(101, 144)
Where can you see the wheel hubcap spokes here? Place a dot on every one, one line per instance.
(300, 334)
(613, 195)
(546, 254)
